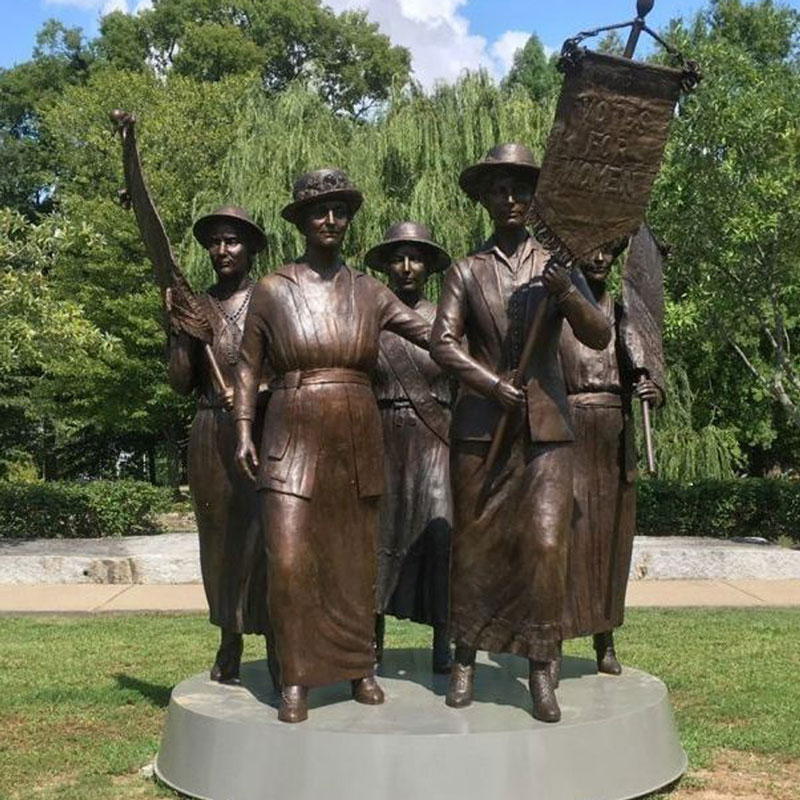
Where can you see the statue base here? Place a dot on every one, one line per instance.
(617, 739)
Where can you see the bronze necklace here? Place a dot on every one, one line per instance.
(231, 337)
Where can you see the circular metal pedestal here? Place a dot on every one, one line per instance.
(617, 739)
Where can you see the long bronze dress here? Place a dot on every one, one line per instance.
(599, 388)
(232, 555)
(321, 461)
(509, 557)
(414, 398)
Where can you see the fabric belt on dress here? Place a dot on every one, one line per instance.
(315, 377)
(603, 399)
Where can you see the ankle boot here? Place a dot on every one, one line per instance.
(555, 667)
(442, 659)
(545, 705)
(380, 635)
(607, 663)
(367, 691)
(273, 664)
(462, 676)
(294, 704)
(228, 658)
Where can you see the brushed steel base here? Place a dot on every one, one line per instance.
(617, 739)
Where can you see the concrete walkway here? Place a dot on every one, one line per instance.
(189, 598)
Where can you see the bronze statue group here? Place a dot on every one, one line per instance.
(338, 457)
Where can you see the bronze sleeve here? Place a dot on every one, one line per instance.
(448, 333)
(251, 358)
(589, 324)
(398, 318)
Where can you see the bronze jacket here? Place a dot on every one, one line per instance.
(474, 303)
(320, 356)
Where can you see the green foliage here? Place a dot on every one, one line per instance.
(406, 162)
(728, 203)
(724, 509)
(686, 453)
(96, 509)
(534, 72)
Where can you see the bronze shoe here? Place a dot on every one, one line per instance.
(367, 691)
(459, 690)
(545, 705)
(228, 658)
(294, 704)
(607, 662)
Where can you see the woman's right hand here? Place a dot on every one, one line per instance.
(509, 395)
(247, 457)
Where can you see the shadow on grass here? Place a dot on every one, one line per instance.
(663, 793)
(154, 693)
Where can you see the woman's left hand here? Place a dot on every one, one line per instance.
(645, 389)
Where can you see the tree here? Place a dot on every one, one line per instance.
(534, 71)
(345, 57)
(61, 58)
(728, 202)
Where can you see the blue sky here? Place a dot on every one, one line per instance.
(445, 36)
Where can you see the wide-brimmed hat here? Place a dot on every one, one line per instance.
(507, 156)
(321, 184)
(257, 239)
(408, 233)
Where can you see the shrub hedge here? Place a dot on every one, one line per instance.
(744, 507)
(725, 509)
(93, 509)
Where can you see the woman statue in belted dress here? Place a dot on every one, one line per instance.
(414, 397)
(600, 387)
(319, 464)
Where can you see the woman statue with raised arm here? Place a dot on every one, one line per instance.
(204, 340)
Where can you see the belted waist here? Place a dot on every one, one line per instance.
(404, 402)
(604, 399)
(314, 377)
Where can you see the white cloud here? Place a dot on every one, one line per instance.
(438, 36)
(506, 47)
(114, 5)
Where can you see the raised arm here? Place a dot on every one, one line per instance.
(575, 301)
(398, 318)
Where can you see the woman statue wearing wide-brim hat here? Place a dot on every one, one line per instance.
(205, 334)
(510, 537)
(414, 398)
(318, 466)
(231, 550)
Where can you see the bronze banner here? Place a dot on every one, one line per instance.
(605, 150)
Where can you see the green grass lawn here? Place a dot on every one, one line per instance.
(82, 700)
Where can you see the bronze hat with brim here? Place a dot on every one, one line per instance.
(414, 233)
(321, 185)
(256, 237)
(515, 157)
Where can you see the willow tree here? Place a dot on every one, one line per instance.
(406, 161)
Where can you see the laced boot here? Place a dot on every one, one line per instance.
(380, 634)
(606, 656)
(229, 657)
(294, 704)
(545, 705)
(367, 691)
(462, 676)
(555, 667)
(442, 658)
